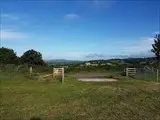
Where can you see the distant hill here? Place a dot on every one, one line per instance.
(62, 61)
(136, 62)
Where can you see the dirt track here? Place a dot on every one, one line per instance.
(79, 76)
(93, 78)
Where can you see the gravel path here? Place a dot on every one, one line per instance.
(97, 79)
(94, 78)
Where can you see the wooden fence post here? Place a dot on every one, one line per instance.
(30, 70)
(62, 75)
(157, 75)
(53, 73)
(152, 69)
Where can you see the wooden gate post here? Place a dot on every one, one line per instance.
(62, 75)
(127, 72)
(59, 72)
(130, 72)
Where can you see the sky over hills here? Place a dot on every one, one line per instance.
(80, 30)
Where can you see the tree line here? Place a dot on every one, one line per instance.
(30, 57)
(156, 49)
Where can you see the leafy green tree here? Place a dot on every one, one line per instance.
(8, 56)
(32, 57)
(156, 48)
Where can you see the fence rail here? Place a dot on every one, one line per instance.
(130, 71)
(145, 73)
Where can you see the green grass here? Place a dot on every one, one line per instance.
(22, 99)
(151, 78)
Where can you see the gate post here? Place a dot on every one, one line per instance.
(127, 72)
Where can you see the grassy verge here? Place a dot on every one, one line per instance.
(22, 99)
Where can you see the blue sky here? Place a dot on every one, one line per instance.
(80, 30)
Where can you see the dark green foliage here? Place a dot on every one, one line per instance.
(42, 69)
(35, 118)
(32, 57)
(110, 65)
(8, 56)
(123, 73)
(156, 49)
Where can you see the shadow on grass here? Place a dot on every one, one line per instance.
(35, 118)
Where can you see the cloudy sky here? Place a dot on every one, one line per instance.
(80, 30)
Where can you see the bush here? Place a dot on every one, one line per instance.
(123, 73)
(35, 118)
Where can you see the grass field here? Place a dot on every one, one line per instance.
(23, 99)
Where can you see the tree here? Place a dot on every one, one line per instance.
(156, 49)
(32, 57)
(8, 56)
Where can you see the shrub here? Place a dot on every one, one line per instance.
(123, 73)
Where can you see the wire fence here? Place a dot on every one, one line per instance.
(14, 70)
(147, 73)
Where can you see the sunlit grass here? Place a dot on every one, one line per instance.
(22, 99)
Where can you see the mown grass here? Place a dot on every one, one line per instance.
(23, 99)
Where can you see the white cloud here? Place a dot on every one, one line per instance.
(11, 25)
(13, 21)
(66, 55)
(158, 32)
(80, 56)
(9, 16)
(71, 16)
(12, 35)
(141, 46)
